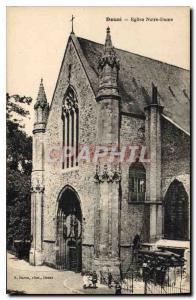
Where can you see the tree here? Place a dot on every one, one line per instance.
(19, 165)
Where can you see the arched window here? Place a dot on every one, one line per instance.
(70, 117)
(137, 182)
(176, 212)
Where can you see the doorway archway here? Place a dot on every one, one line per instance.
(176, 212)
(69, 231)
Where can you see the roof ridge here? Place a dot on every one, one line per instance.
(162, 62)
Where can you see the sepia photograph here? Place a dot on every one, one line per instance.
(98, 122)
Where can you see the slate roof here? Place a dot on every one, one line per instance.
(137, 73)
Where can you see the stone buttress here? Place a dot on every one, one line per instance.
(108, 174)
(41, 108)
(153, 168)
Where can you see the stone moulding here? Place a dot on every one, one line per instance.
(38, 188)
(110, 59)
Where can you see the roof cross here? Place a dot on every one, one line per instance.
(72, 20)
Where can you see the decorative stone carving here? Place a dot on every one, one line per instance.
(141, 132)
(41, 98)
(109, 56)
(38, 188)
(70, 103)
(109, 59)
(41, 108)
(65, 109)
(72, 227)
(107, 175)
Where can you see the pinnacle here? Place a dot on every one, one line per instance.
(41, 97)
(108, 41)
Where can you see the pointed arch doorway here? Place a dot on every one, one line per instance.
(176, 213)
(69, 231)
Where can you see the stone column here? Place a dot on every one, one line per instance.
(64, 137)
(107, 229)
(70, 135)
(36, 257)
(153, 169)
(104, 218)
(77, 134)
(108, 176)
(75, 140)
(115, 217)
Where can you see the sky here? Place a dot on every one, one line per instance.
(37, 38)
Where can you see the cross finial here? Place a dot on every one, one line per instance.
(72, 20)
(108, 40)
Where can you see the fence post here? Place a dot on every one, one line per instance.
(145, 287)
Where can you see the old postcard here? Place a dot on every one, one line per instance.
(98, 150)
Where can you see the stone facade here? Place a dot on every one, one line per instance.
(110, 220)
(80, 178)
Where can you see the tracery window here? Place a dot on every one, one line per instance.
(137, 182)
(70, 117)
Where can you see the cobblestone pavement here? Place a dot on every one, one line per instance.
(24, 278)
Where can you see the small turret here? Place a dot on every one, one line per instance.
(108, 71)
(41, 108)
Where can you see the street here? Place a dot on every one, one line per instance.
(27, 279)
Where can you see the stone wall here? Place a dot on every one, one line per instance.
(49, 253)
(132, 215)
(175, 163)
(175, 154)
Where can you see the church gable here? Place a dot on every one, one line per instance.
(72, 74)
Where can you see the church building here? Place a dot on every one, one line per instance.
(111, 158)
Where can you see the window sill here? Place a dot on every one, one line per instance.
(145, 202)
(71, 169)
(136, 202)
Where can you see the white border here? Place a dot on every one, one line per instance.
(3, 5)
